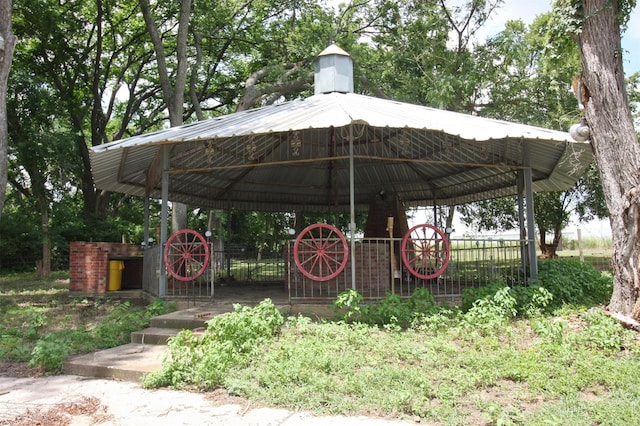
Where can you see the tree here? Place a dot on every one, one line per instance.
(528, 79)
(7, 46)
(173, 91)
(41, 152)
(553, 212)
(596, 25)
(426, 54)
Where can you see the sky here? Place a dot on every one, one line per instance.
(527, 10)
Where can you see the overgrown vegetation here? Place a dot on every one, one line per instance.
(203, 360)
(522, 355)
(540, 354)
(42, 325)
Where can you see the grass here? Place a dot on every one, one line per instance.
(451, 376)
(499, 363)
(523, 356)
(42, 324)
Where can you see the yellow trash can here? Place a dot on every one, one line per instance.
(115, 275)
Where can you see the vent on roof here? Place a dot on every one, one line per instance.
(333, 71)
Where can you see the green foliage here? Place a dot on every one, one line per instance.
(392, 311)
(533, 300)
(491, 307)
(203, 360)
(592, 330)
(471, 294)
(452, 377)
(569, 14)
(492, 312)
(560, 282)
(49, 353)
(552, 330)
(44, 327)
(574, 282)
(602, 332)
(53, 349)
(349, 305)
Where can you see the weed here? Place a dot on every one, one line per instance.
(349, 306)
(42, 325)
(604, 333)
(393, 312)
(229, 340)
(492, 312)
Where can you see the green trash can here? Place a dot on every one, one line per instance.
(115, 275)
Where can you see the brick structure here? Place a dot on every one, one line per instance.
(89, 264)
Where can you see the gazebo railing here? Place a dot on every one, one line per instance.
(473, 263)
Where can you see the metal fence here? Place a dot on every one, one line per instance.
(234, 266)
(473, 263)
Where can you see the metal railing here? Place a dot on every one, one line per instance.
(235, 265)
(473, 263)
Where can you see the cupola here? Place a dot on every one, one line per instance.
(333, 71)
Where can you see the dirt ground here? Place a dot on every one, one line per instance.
(79, 401)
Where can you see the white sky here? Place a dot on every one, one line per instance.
(527, 10)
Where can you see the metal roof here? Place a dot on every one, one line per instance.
(295, 156)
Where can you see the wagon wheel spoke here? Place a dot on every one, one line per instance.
(186, 255)
(425, 251)
(320, 252)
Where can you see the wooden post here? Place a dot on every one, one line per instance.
(580, 245)
(392, 254)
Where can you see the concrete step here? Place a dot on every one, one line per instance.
(128, 362)
(153, 335)
(189, 318)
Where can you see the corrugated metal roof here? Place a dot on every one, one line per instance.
(295, 155)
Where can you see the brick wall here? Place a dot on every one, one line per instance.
(89, 264)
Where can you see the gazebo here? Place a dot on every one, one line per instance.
(338, 150)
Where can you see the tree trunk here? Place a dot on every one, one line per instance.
(7, 46)
(45, 269)
(547, 251)
(173, 95)
(615, 145)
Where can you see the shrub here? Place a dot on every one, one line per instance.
(229, 340)
(349, 306)
(560, 282)
(506, 302)
(533, 300)
(492, 311)
(574, 282)
(391, 311)
(50, 353)
(471, 294)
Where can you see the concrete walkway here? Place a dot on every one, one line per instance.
(104, 387)
(79, 401)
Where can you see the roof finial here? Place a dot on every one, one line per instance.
(333, 71)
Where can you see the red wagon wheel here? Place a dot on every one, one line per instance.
(186, 255)
(320, 252)
(425, 251)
